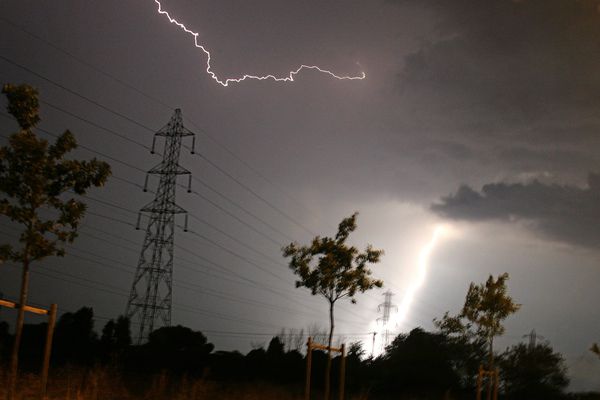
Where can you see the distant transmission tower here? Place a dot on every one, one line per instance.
(387, 307)
(533, 337)
(149, 303)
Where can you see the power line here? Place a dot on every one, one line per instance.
(236, 205)
(131, 120)
(255, 194)
(214, 204)
(95, 125)
(248, 166)
(157, 101)
(182, 307)
(87, 64)
(74, 93)
(203, 237)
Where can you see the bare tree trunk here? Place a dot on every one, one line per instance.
(14, 359)
(328, 368)
(490, 369)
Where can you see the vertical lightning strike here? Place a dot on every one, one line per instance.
(288, 78)
(421, 273)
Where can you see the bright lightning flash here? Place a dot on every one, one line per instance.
(415, 284)
(420, 275)
(225, 82)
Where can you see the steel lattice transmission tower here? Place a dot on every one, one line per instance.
(387, 307)
(149, 303)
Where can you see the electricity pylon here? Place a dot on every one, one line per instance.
(149, 301)
(387, 307)
(533, 337)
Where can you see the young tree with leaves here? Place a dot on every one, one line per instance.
(34, 180)
(331, 268)
(486, 307)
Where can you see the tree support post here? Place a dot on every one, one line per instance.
(496, 380)
(343, 372)
(308, 368)
(493, 380)
(479, 378)
(51, 313)
(48, 350)
(316, 346)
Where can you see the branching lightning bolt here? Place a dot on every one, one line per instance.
(225, 82)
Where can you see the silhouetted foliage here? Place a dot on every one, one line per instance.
(419, 364)
(533, 372)
(177, 349)
(75, 341)
(486, 306)
(115, 339)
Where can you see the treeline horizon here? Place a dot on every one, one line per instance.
(419, 364)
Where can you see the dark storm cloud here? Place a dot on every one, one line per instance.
(508, 60)
(565, 213)
(503, 76)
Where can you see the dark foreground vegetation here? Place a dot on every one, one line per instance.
(179, 363)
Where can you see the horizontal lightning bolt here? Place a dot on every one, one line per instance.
(288, 78)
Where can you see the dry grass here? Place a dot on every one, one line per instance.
(103, 384)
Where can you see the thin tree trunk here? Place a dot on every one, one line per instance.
(328, 368)
(14, 359)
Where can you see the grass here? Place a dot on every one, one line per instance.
(104, 384)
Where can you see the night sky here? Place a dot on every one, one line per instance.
(471, 148)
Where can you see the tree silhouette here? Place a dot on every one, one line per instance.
(178, 349)
(34, 176)
(419, 364)
(74, 338)
(533, 372)
(340, 271)
(116, 338)
(486, 306)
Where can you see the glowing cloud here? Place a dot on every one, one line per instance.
(225, 82)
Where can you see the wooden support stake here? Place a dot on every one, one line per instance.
(310, 346)
(308, 367)
(343, 372)
(48, 350)
(496, 381)
(479, 378)
(51, 313)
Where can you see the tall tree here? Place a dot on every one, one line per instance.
(486, 307)
(339, 271)
(34, 179)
